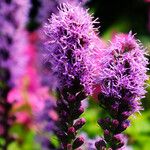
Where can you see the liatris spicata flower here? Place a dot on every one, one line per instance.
(12, 21)
(69, 38)
(122, 82)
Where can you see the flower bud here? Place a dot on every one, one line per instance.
(101, 123)
(78, 112)
(125, 115)
(107, 135)
(69, 147)
(79, 123)
(124, 125)
(101, 144)
(78, 142)
(114, 109)
(115, 124)
(62, 136)
(71, 132)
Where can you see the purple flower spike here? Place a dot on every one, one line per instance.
(124, 75)
(122, 82)
(13, 15)
(70, 36)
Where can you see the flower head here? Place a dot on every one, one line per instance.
(69, 38)
(124, 73)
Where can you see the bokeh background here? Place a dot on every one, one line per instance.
(115, 16)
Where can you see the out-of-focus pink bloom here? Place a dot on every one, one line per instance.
(23, 117)
(28, 96)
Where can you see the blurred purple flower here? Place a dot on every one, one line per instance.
(46, 124)
(13, 15)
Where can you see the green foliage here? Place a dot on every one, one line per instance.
(139, 131)
(91, 115)
(54, 140)
(25, 139)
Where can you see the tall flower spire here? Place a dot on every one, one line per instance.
(70, 36)
(122, 82)
(13, 15)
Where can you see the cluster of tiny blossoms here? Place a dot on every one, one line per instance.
(122, 82)
(44, 11)
(70, 37)
(80, 60)
(123, 76)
